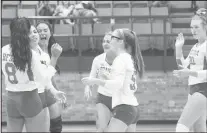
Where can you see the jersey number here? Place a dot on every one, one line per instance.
(133, 86)
(11, 72)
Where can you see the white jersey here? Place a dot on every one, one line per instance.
(16, 80)
(45, 60)
(196, 60)
(123, 81)
(101, 69)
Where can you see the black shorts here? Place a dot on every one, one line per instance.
(201, 88)
(25, 104)
(50, 99)
(106, 100)
(126, 113)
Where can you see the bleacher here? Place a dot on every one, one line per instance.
(156, 27)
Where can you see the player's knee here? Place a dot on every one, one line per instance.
(56, 124)
(181, 128)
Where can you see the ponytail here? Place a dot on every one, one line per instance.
(137, 57)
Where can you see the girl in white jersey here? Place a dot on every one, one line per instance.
(23, 75)
(194, 67)
(127, 67)
(101, 68)
(46, 43)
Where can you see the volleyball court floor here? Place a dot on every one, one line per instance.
(92, 128)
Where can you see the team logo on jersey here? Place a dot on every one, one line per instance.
(103, 72)
(43, 62)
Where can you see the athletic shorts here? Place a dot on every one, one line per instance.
(50, 99)
(43, 99)
(106, 100)
(24, 104)
(126, 113)
(201, 88)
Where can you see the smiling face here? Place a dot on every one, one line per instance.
(33, 36)
(106, 42)
(116, 43)
(197, 28)
(44, 32)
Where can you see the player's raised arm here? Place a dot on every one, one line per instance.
(179, 52)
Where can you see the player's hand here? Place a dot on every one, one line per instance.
(87, 92)
(90, 81)
(59, 95)
(56, 50)
(183, 72)
(103, 75)
(180, 40)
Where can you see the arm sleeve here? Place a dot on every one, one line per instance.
(117, 75)
(42, 73)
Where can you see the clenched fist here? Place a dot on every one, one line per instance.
(56, 50)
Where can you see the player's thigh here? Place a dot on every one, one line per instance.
(193, 109)
(38, 123)
(52, 104)
(103, 115)
(131, 128)
(123, 116)
(15, 124)
(54, 110)
(200, 124)
(116, 125)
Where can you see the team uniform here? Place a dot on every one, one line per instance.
(194, 113)
(197, 60)
(49, 97)
(123, 84)
(101, 69)
(23, 100)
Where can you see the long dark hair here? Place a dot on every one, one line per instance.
(51, 41)
(20, 43)
(131, 40)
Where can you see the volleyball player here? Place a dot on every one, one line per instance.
(101, 68)
(23, 75)
(195, 68)
(127, 67)
(47, 41)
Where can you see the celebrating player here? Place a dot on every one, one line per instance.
(194, 67)
(127, 67)
(47, 42)
(101, 68)
(23, 75)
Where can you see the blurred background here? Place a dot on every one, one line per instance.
(157, 23)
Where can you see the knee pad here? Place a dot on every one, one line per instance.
(181, 128)
(56, 124)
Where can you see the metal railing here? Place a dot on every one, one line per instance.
(163, 18)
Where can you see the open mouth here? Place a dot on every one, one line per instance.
(106, 47)
(43, 37)
(34, 39)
